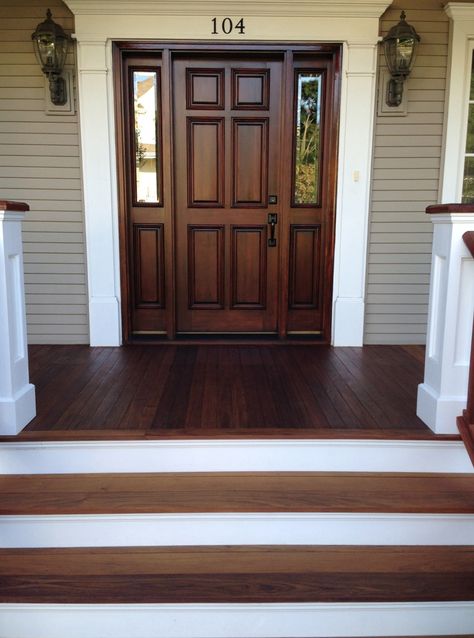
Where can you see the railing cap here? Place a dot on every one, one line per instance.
(450, 208)
(18, 206)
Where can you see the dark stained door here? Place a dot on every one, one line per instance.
(211, 144)
(226, 148)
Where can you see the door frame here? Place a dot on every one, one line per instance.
(165, 51)
(99, 23)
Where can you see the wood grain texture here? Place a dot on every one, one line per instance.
(228, 390)
(237, 574)
(236, 492)
(16, 206)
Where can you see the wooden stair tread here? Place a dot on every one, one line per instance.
(236, 492)
(237, 574)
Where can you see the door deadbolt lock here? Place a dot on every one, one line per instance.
(272, 220)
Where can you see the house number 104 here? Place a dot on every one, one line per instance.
(227, 26)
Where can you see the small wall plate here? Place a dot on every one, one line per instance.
(383, 109)
(65, 109)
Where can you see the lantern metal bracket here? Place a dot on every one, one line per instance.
(57, 89)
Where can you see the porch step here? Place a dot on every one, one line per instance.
(270, 574)
(281, 508)
(234, 455)
(180, 493)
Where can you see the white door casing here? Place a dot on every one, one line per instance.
(354, 23)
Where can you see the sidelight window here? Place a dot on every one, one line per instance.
(146, 139)
(307, 158)
(468, 179)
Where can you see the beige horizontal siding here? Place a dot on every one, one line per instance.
(40, 165)
(405, 179)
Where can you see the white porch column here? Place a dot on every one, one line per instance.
(100, 219)
(355, 162)
(17, 395)
(443, 394)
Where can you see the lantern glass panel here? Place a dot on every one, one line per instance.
(405, 55)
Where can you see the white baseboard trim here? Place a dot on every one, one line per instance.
(334, 455)
(235, 529)
(302, 620)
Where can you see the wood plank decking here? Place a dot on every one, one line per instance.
(226, 390)
(264, 574)
(215, 492)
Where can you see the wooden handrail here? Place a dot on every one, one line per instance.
(466, 421)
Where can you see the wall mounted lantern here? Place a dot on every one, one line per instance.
(51, 44)
(399, 46)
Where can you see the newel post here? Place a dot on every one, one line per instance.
(17, 395)
(443, 394)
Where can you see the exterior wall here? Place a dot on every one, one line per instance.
(40, 165)
(406, 172)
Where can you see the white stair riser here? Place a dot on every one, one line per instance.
(235, 529)
(234, 456)
(228, 621)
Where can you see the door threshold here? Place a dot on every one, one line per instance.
(236, 338)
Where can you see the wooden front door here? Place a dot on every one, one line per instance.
(227, 145)
(229, 189)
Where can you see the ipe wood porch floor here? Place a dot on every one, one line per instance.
(146, 391)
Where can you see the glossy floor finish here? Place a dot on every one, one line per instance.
(226, 390)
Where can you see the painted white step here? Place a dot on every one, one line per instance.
(235, 529)
(341, 455)
(303, 620)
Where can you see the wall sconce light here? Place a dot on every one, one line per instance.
(51, 44)
(399, 46)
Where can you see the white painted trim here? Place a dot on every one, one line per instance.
(122, 530)
(17, 394)
(64, 457)
(443, 394)
(459, 77)
(300, 620)
(306, 8)
(355, 24)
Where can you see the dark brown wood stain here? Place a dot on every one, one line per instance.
(226, 390)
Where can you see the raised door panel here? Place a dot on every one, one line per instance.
(250, 89)
(205, 142)
(206, 266)
(249, 272)
(205, 89)
(149, 265)
(250, 162)
(305, 264)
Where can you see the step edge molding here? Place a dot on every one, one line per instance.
(298, 620)
(177, 530)
(248, 455)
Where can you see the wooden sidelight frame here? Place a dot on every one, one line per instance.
(294, 57)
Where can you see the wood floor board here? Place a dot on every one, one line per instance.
(237, 492)
(228, 388)
(237, 574)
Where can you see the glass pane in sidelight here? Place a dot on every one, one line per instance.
(470, 130)
(307, 146)
(471, 95)
(145, 106)
(468, 181)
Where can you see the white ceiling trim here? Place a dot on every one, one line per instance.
(287, 8)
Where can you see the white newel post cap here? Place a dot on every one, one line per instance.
(17, 394)
(442, 395)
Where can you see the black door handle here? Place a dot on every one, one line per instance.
(272, 220)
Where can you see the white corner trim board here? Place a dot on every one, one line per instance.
(355, 24)
(122, 530)
(342, 455)
(299, 620)
(459, 73)
(17, 394)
